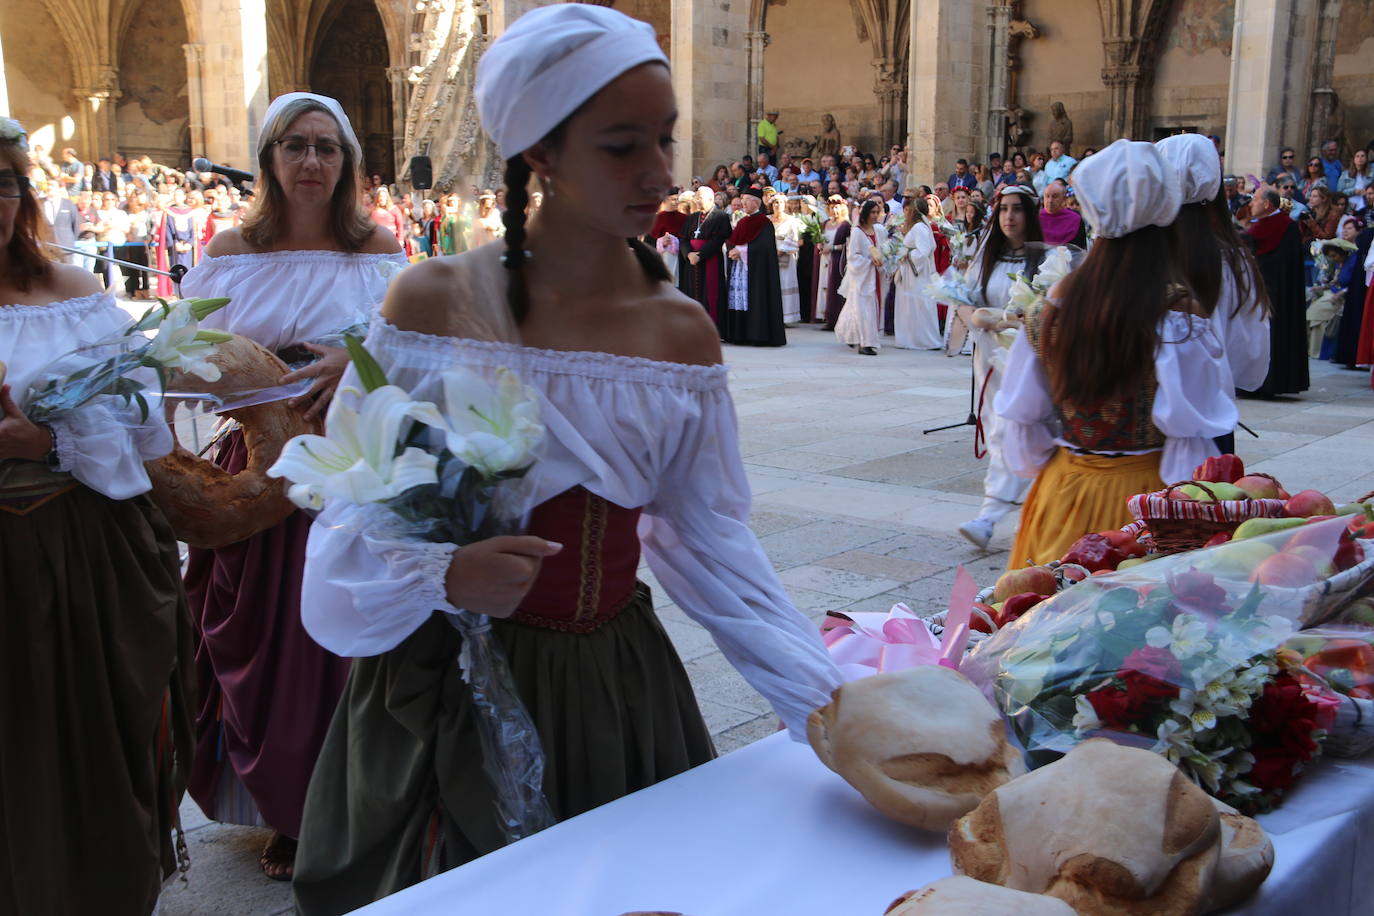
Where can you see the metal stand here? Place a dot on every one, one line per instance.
(972, 400)
(175, 274)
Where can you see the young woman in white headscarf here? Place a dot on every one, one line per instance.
(307, 265)
(96, 658)
(1118, 381)
(916, 323)
(1218, 265)
(640, 437)
(864, 285)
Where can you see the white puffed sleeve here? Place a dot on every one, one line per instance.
(366, 587)
(1026, 412)
(698, 543)
(1244, 331)
(104, 443)
(1193, 400)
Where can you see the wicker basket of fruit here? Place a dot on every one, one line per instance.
(1187, 515)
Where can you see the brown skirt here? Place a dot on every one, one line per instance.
(399, 788)
(95, 699)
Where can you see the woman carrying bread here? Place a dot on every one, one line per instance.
(641, 453)
(96, 677)
(305, 266)
(1118, 381)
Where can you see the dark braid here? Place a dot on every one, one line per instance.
(517, 199)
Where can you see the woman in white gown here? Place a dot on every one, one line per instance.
(641, 453)
(788, 228)
(916, 323)
(864, 283)
(308, 265)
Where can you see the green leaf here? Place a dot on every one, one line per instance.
(369, 371)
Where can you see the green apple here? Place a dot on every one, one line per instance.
(1237, 559)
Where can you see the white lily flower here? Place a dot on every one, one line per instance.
(492, 427)
(1022, 296)
(1085, 719)
(1054, 268)
(179, 344)
(356, 460)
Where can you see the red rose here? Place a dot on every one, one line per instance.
(1198, 592)
(1282, 701)
(1297, 738)
(1273, 771)
(1159, 664)
(1113, 706)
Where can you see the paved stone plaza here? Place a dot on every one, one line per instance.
(857, 510)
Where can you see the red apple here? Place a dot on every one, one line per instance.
(1259, 486)
(1321, 560)
(1036, 579)
(1221, 537)
(1309, 503)
(976, 621)
(1017, 605)
(1288, 570)
(1322, 534)
(1349, 554)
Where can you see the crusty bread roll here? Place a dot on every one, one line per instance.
(922, 745)
(208, 506)
(962, 896)
(1107, 829)
(1247, 855)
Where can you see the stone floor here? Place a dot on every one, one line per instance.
(856, 507)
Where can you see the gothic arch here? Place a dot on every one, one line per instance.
(1131, 33)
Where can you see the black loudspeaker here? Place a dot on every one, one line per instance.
(421, 173)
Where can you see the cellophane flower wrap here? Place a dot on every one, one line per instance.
(1184, 655)
(952, 288)
(166, 338)
(451, 475)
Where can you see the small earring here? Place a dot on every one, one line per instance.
(546, 185)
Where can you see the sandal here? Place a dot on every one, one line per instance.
(278, 859)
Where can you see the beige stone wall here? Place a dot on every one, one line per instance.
(151, 116)
(658, 13)
(1064, 64)
(946, 85)
(816, 64)
(38, 76)
(1354, 82)
(1194, 68)
(710, 75)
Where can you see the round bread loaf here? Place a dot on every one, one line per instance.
(1110, 830)
(1247, 855)
(962, 896)
(208, 506)
(922, 745)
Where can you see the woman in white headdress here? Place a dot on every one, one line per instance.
(487, 227)
(1096, 424)
(641, 453)
(306, 266)
(788, 228)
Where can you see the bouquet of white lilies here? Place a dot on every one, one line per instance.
(1025, 293)
(177, 343)
(448, 475)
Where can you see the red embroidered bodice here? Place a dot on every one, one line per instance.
(587, 583)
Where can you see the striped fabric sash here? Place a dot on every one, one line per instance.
(26, 485)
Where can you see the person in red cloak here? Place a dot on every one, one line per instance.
(1279, 253)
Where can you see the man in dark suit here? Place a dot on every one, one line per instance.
(62, 217)
(104, 177)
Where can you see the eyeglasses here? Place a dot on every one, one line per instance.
(294, 149)
(1286, 156)
(12, 185)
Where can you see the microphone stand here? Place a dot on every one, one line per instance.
(972, 419)
(175, 274)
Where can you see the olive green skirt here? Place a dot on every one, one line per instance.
(95, 699)
(399, 793)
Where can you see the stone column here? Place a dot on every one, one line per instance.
(757, 42)
(710, 77)
(887, 87)
(1128, 87)
(400, 103)
(96, 104)
(999, 80)
(946, 117)
(195, 95)
(233, 80)
(1323, 72)
(1272, 52)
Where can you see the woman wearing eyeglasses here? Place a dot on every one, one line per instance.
(95, 638)
(306, 265)
(1315, 177)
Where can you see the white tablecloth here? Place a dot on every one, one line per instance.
(769, 830)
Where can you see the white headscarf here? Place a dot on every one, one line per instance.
(1195, 159)
(1125, 187)
(271, 130)
(549, 62)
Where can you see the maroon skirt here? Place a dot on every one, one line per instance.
(267, 690)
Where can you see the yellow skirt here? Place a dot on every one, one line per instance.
(1076, 495)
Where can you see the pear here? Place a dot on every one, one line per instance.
(1254, 527)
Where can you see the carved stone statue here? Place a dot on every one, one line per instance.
(1061, 127)
(828, 142)
(797, 147)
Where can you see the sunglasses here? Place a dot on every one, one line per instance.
(1286, 156)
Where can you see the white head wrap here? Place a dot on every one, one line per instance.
(1195, 159)
(549, 62)
(1126, 187)
(271, 131)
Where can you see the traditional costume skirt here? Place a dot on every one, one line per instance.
(267, 690)
(1076, 495)
(95, 701)
(399, 793)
